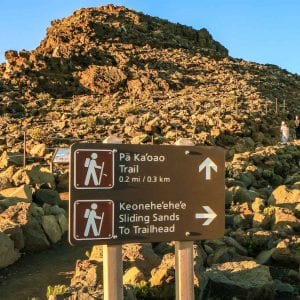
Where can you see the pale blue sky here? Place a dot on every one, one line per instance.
(264, 31)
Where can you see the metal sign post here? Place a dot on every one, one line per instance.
(112, 258)
(145, 193)
(184, 270)
(184, 259)
(24, 150)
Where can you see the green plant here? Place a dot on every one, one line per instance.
(91, 121)
(143, 291)
(43, 96)
(36, 133)
(55, 290)
(269, 211)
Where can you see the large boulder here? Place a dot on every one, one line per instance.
(63, 182)
(263, 239)
(225, 254)
(258, 205)
(34, 175)
(287, 251)
(62, 222)
(87, 274)
(4, 160)
(133, 276)
(163, 277)
(241, 194)
(165, 272)
(8, 254)
(27, 216)
(7, 159)
(38, 150)
(35, 238)
(21, 193)
(51, 228)
(142, 256)
(285, 197)
(230, 241)
(260, 220)
(285, 221)
(200, 258)
(102, 79)
(239, 280)
(47, 196)
(265, 256)
(5, 178)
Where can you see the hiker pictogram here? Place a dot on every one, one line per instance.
(94, 219)
(94, 169)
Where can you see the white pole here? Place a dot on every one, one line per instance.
(112, 272)
(184, 260)
(112, 259)
(184, 270)
(24, 150)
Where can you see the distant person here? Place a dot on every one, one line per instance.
(285, 132)
(297, 127)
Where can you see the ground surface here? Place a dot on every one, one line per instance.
(30, 276)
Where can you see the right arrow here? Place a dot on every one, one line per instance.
(208, 165)
(210, 215)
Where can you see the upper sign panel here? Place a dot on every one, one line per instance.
(94, 169)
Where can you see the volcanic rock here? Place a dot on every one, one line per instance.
(142, 256)
(21, 193)
(34, 175)
(101, 65)
(51, 228)
(284, 197)
(163, 277)
(245, 280)
(47, 196)
(8, 254)
(87, 273)
(288, 251)
(133, 276)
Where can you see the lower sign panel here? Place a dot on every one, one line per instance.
(95, 220)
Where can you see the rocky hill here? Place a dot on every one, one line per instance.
(110, 70)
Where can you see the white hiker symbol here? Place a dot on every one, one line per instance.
(91, 216)
(91, 164)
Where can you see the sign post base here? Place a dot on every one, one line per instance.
(113, 272)
(184, 269)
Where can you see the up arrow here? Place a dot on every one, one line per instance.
(208, 165)
(210, 215)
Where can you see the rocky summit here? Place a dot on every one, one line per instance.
(112, 71)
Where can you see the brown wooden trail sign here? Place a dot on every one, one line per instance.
(145, 193)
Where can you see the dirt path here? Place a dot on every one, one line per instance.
(30, 276)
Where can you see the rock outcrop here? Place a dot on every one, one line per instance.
(111, 70)
(238, 280)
